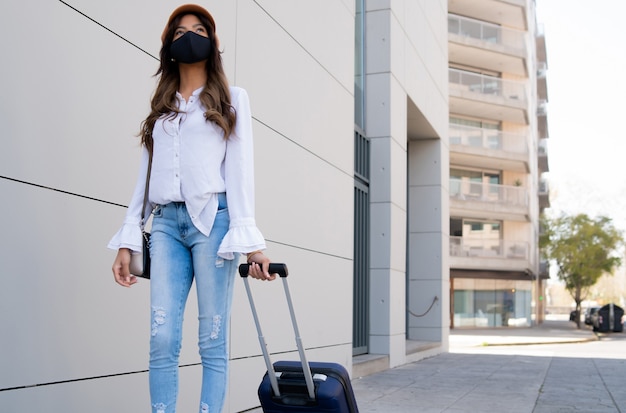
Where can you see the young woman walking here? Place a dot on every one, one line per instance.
(201, 195)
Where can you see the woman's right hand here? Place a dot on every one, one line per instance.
(259, 267)
(121, 268)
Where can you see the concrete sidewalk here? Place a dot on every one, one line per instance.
(468, 381)
(458, 382)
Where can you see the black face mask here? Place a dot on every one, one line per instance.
(190, 48)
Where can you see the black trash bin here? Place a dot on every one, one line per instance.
(618, 327)
(609, 319)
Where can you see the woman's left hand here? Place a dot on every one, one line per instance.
(259, 267)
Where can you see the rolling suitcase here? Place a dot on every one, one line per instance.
(299, 386)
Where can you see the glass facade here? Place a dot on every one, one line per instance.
(359, 65)
(492, 303)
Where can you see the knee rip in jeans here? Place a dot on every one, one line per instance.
(159, 407)
(219, 263)
(204, 408)
(217, 324)
(158, 318)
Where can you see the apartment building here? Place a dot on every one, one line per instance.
(497, 132)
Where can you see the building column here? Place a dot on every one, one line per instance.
(428, 259)
(386, 127)
(388, 249)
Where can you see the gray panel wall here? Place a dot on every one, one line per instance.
(76, 81)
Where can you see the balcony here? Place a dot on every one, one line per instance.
(482, 200)
(540, 45)
(542, 156)
(542, 119)
(544, 194)
(542, 82)
(487, 97)
(488, 46)
(488, 148)
(489, 254)
(510, 13)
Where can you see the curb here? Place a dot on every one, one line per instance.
(533, 343)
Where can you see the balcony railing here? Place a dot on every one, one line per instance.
(505, 195)
(487, 85)
(487, 32)
(543, 195)
(542, 108)
(487, 139)
(488, 248)
(542, 70)
(542, 82)
(511, 13)
(542, 147)
(542, 155)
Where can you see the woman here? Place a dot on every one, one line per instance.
(202, 190)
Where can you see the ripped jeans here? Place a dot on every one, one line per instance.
(180, 253)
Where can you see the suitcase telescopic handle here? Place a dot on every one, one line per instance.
(280, 269)
(275, 268)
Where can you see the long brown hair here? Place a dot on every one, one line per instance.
(215, 95)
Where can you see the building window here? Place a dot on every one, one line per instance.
(359, 65)
(361, 264)
(492, 303)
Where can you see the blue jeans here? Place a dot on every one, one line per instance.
(180, 253)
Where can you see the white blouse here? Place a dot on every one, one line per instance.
(193, 163)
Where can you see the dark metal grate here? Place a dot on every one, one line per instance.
(360, 333)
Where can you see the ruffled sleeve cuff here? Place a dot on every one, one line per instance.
(243, 236)
(128, 236)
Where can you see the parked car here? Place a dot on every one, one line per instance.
(590, 314)
(573, 316)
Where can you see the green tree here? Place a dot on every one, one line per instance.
(583, 248)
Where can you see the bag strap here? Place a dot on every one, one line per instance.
(146, 190)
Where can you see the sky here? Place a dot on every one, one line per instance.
(586, 53)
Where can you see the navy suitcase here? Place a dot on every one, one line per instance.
(299, 386)
(333, 390)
